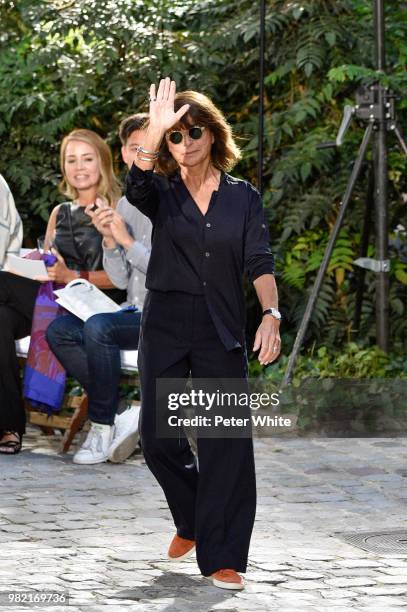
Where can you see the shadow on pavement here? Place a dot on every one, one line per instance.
(175, 584)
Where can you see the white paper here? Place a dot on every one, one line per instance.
(30, 268)
(84, 299)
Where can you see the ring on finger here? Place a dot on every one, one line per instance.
(153, 99)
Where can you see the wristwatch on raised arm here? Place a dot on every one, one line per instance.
(273, 312)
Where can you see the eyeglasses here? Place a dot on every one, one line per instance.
(195, 132)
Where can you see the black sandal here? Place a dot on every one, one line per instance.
(14, 445)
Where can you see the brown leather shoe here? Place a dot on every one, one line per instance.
(227, 579)
(180, 548)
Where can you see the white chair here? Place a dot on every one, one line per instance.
(128, 358)
(72, 424)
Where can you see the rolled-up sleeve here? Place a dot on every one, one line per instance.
(258, 258)
(142, 192)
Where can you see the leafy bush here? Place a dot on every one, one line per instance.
(359, 389)
(88, 63)
(352, 361)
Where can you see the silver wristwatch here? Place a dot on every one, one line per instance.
(273, 312)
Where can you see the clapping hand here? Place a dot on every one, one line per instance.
(111, 225)
(101, 217)
(119, 231)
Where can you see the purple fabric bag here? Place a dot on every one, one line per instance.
(44, 377)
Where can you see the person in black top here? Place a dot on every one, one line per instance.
(87, 169)
(208, 227)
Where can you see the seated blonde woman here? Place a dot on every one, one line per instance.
(86, 164)
(90, 351)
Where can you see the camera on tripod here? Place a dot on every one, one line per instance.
(375, 103)
(375, 107)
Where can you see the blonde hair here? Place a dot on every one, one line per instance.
(225, 153)
(108, 186)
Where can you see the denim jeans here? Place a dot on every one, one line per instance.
(90, 352)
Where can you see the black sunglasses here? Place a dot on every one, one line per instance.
(195, 132)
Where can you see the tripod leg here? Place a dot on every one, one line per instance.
(328, 251)
(382, 238)
(399, 135)
(361, 272)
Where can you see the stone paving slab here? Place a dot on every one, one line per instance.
(101, 532)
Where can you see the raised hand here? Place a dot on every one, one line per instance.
(162, 114)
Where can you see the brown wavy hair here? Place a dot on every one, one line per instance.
(108, 187)
(225, 153)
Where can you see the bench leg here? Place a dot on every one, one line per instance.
(77, 422)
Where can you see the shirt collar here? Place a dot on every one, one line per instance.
(176, 177)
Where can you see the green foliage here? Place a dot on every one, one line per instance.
(71, 63)
(353, 361)
(359, 389)
(339, 406)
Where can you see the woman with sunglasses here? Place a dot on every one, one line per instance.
(208, 227)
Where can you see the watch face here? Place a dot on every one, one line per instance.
(273, 312)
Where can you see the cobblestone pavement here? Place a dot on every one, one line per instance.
(101, 532)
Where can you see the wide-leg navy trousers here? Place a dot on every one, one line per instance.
(216, 504)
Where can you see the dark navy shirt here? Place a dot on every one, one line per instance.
(204, 254)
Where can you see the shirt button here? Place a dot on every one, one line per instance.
(207, 254)
(204, 283)
(208, 225)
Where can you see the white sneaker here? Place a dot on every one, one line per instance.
(126, 435)
(95, 448)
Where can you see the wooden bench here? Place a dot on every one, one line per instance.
(73, 423)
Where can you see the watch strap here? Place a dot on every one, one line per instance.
(272, 312)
